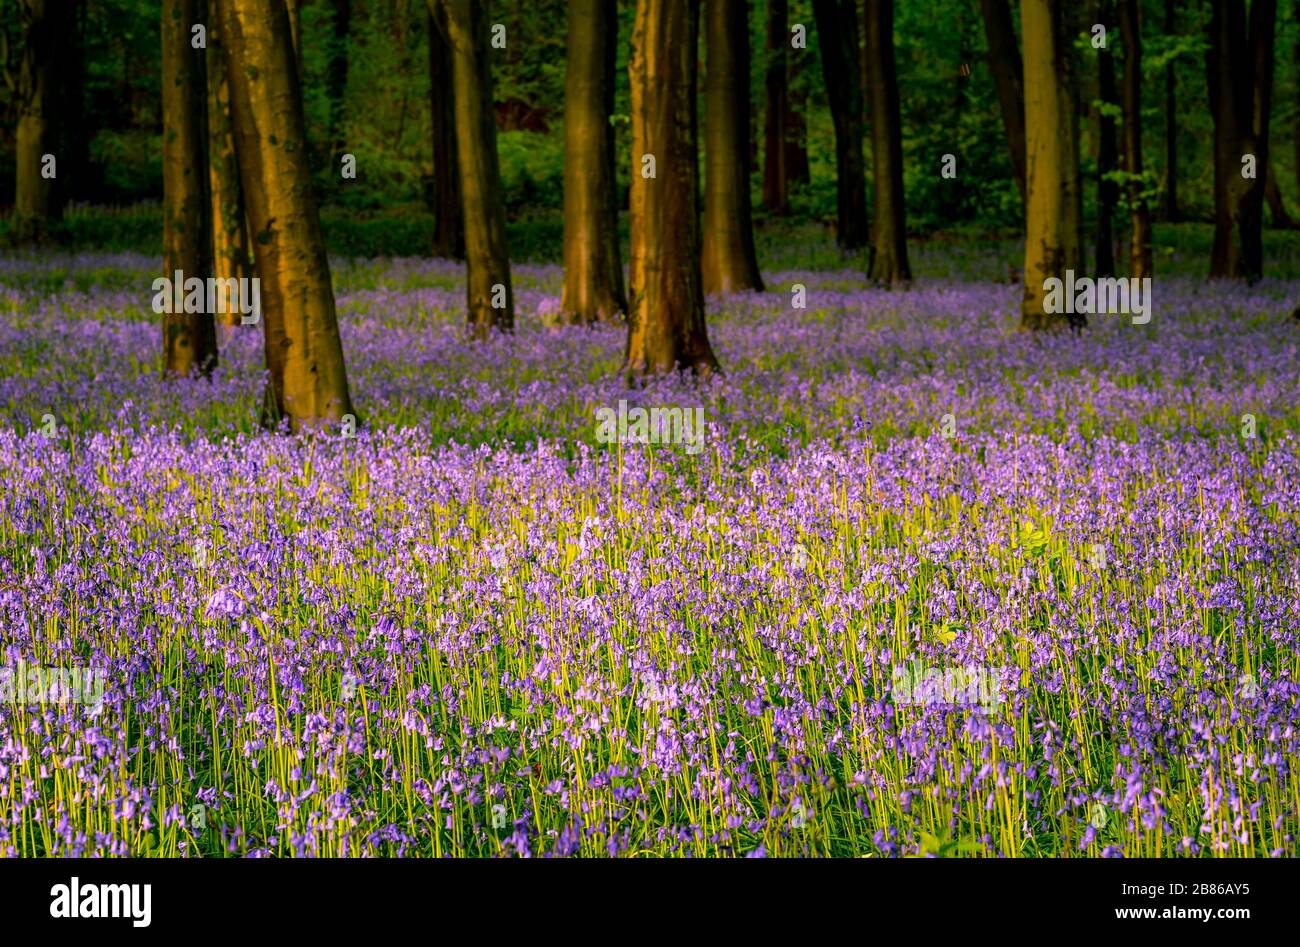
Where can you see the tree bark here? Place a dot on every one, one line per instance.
(837, 35)
(776, 192)
(448, 222)
(189, 338)
(593, 271)
(36, 203)
(1139, 212)
(1008, 76)
(666, 329)
(304, 354)
(1240, 72)
(797, 170)
(888, 265)
(487, 259)
(730, 262)
(1052, 233)
(1170, 210)
(230, 251)
(1108, 147)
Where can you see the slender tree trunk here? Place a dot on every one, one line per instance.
(1240, 72)
(1052, 235)
(230, 252)
(73, 182)
(36, 202)
(776, 194)
(304, 354)
(448, 222)
(1108, 146)
(593, 271)
(837, 34)
(337, 78)
(189, 338)
(666, 329)
(888, 264)
(1171, 212)
(1008, 79)
(729, 262)
(1139, 212)
(797, 170)
(490, 297)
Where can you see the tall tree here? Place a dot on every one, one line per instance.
(593, 272)
(1108, 145)
(230, 252)
(490, 297)
(304, 353)
(889, 228)
(1240, 72)
(730, 262)
(1130, 17)
(189, 338)
(666, 330)
(1170, 208)
(776, 191)
(837, 36)
(1052, 211)
(1008, 79)
(448, 222)
(35, 88)
(797, 170)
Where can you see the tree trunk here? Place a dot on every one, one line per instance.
(729, 260)
(1240, 72)
(189, 338)
(1139, 213)
(837, 35)
(797, 170)
(1052, 243)
(1108, 147)
(1171, 211)
(666, 330)
(487, 260)
(36, 202)
(304, 354)
(230, 252)
(888, 264)
(1008, 78)
(593, 271)
(448, 223)
(776, 193)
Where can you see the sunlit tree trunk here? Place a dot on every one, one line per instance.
(729, 261)
(593, 271)
(1052, 217)
(1108, 145)
(666, 329)
(889, 265)
(1139, 211)
(1008, 79)
(448, 223)
(1240, 72)
(230, 253)
(304, 354)
(189, 339)
(35, 91)
(837, 37)
(490, 297)
(776, 195)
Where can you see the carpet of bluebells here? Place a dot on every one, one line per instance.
(473, 630)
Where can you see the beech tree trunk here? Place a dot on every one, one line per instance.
(776, 129)
(230, 251)
(1139, 212)
(593, 270)
(666, 329)
(1052, 217)
(490, 298)
(189, 339)
(1008, 79)
(1108, 145)
(36, 203)
(304, 354)
(448, 222)
(730, 262)
(837, 35)
(889, 265)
